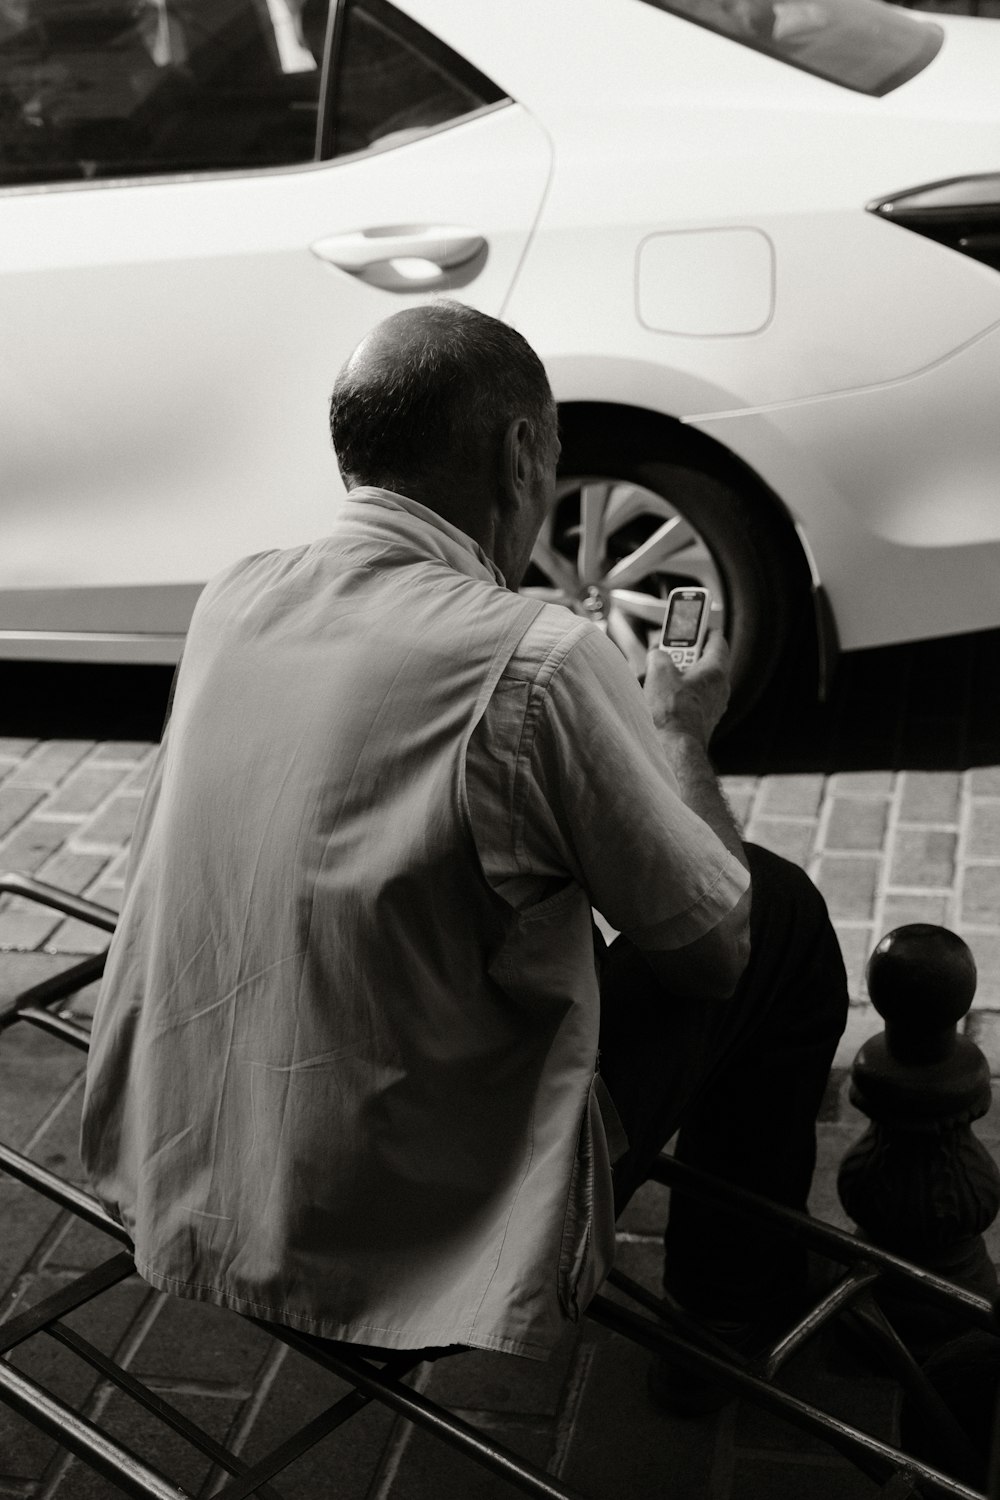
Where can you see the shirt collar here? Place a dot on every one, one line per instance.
(432, 532)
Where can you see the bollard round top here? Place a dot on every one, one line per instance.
(921, 978)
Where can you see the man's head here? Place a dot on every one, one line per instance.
(452, 408)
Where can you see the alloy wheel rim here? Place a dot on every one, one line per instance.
(611, 551)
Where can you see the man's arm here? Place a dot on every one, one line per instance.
(686, 707)
(596, 799)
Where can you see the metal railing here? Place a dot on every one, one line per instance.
(625, 1307)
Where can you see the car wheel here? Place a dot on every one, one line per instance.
(626, 528)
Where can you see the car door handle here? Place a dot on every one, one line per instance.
(406, 257)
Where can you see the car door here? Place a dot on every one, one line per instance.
(206, 204)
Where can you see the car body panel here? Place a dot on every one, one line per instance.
(857, 301)
(867, 400)
(168, 350)
(905, 535)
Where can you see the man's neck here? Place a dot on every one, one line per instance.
(465, 501)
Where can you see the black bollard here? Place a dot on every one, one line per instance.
(918, 1182)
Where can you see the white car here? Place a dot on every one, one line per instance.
(756, 242)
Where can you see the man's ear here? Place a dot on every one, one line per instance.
(515, 464)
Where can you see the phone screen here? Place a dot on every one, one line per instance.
(681, 627)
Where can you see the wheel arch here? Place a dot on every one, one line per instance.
(658, 433)
(655, 433)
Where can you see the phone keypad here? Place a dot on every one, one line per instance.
(682, 656)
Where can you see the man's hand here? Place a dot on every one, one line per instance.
(690, 702)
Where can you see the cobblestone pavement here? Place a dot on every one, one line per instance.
(889, 797)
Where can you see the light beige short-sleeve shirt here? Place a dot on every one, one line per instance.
(342, 1073)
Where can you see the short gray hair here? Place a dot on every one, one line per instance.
(436, 396)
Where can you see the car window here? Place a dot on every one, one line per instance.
(862, 44)
(110, 88)
(393, 80)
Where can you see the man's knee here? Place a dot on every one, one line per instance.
(790, 926)
(781, 886)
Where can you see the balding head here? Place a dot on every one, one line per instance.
(426, 399)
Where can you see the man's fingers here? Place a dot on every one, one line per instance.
(716, 650)
(714, 658)
(659, 662)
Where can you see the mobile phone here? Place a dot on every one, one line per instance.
(685, 625)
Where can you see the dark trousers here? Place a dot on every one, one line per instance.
(741, 1078)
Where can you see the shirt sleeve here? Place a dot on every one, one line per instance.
(594, 799)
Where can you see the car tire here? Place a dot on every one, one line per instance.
(630, 491)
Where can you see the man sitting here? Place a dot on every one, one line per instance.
(356, 1065)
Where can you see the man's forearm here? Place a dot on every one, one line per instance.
(700, 790)
(686, 709)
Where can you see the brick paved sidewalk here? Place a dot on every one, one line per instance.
(66, 813)
(886, 847)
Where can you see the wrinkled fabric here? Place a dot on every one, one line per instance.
(342, 1073)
